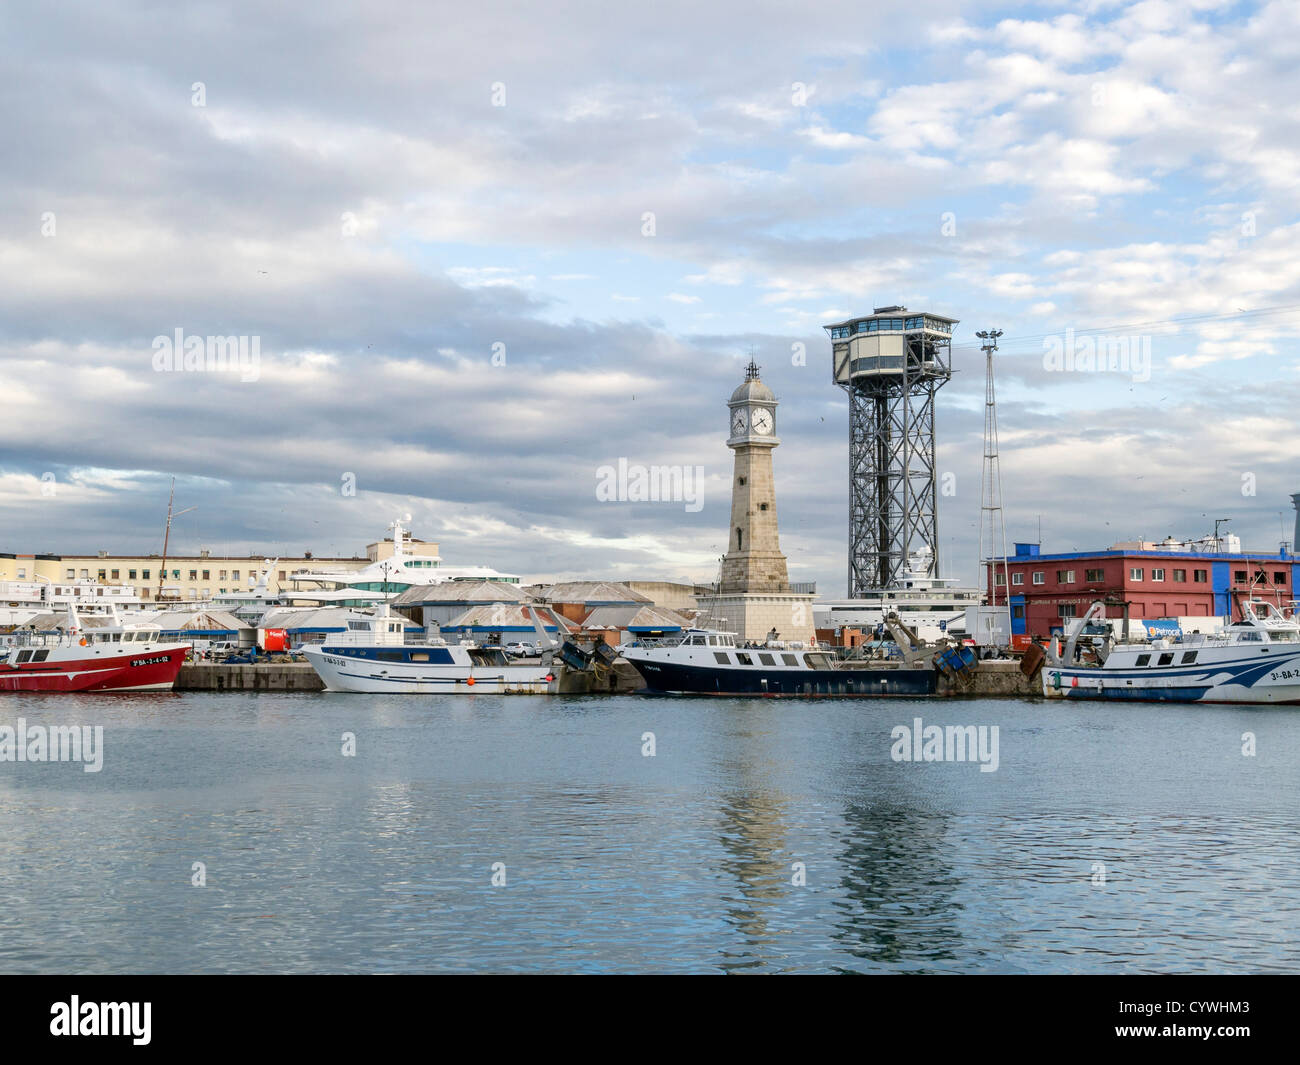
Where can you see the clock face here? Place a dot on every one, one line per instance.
(762, 421)
(737, 423)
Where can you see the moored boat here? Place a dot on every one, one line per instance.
(708, 662)
(377, 655)
(119, 658)
(1254, 660)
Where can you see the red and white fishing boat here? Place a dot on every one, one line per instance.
(120, 658)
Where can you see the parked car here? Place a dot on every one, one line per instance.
(520, 650)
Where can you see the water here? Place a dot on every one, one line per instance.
(681, 862)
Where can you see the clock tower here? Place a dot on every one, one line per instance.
(753, 561)
(754, 597)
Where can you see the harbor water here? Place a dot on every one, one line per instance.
(634, 834)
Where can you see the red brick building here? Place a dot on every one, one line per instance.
(1046, 591)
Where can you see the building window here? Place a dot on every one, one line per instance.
(194, 575)
(207, 575)
(116, 574)
(1279, 577)
(1017, 612)
(1038, 576)
(1201, 576)
(234, 575)
(1180, 576)
(221, 575)
(1239, 576)
(1094, 575)
(102, 574)
(1065, 576)
(130, 575)
(22, 574)
(1135, 573)
(1017, 579)
(282, 575)
(1157, 574)
(145, 574)
(69, 574)
(999, 579)
(85, 574)
(1067, 610)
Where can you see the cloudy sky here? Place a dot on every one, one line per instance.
(487, 250)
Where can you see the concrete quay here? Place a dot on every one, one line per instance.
(990, 679)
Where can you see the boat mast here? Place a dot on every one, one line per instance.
(162, 573)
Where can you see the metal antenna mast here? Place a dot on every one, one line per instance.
(992, 520)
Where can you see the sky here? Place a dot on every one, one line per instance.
(483, 250)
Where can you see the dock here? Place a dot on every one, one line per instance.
(994, 678)
(271, 677)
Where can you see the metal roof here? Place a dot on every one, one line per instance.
(468, 592)
(591, 593)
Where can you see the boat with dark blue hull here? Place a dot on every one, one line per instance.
(705, 662)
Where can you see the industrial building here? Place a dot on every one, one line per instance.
(1156, 580)
(186, 577)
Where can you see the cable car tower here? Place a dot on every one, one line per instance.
(891, 363)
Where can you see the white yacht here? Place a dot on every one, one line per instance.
(376, 654)
(386, 578)
(1254, 660)
(932, 607)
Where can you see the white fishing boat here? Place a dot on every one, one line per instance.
(1254, 660)
(376, 654)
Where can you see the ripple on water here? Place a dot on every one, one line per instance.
(763, 837)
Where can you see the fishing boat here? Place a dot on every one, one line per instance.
(1254, 660)
(376, 654)
(709, 662)
(120, 657)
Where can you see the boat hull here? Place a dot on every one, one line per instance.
(146, 669)
(341, 673)
(674, 678)
(1276, 682)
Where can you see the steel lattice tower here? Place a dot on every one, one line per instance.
(891, 363)
(993, 524)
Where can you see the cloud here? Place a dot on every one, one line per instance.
(406, 250)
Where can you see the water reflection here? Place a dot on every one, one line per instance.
(898, 907)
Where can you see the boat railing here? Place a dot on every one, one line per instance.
(384, 639)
